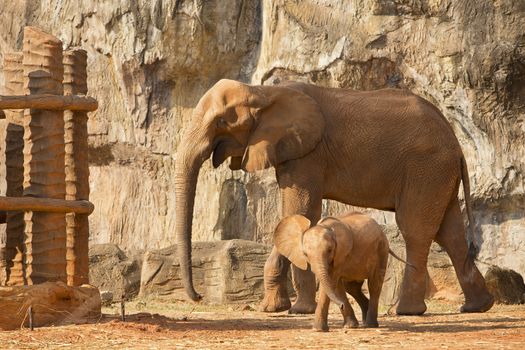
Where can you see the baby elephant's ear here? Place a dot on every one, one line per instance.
(288, 239)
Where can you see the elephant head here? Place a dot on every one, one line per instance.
(256, 126)
(320, 246)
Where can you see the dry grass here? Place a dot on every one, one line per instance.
(154, 324)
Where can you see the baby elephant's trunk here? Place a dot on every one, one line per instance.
(329, 286)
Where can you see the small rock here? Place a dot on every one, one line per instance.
(106, 297)
(505, 285)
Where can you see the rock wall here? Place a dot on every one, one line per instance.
(150, 61)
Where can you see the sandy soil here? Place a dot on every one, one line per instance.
(162, 325)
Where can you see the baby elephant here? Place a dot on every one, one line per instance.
(342, 253)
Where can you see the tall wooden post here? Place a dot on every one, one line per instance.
(14, 162)
(44, 174)
(77, 168)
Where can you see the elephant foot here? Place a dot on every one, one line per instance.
(275, 301)
(478, 306)
(351, 324)
(320, 327)
(303, 306)
(411, 309)
(371, 324)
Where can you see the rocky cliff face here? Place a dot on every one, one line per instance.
(150, 61)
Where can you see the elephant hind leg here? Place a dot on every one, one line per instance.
(419, 214)
(355, 289)
(349, 319)
(451, 236)
(418, 230)
(375, 283)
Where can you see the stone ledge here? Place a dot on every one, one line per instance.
(223, 271)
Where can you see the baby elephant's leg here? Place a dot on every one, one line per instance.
(375, 282)
(321, 312)
(348, 313)
(355, 289)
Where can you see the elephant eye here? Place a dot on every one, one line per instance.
(221, 123)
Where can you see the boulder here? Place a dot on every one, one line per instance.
(223, 271)
(505, 285)
(106, 297)
(110, 269)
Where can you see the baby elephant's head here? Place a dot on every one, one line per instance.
(317, 246)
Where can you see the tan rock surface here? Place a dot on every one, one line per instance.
(112, 270)
(226, 272)
(148, 64)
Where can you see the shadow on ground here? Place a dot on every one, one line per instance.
(415, 324)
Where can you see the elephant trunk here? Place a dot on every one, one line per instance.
(328, 284)
(189, 159)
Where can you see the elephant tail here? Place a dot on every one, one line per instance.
(398, 258)
(472, 247)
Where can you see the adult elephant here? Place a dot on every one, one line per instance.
(385, 149)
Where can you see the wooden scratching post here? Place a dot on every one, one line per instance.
(47, 198)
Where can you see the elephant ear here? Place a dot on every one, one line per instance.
(288, 239)
(289, 126)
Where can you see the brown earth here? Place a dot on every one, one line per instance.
(157, 325)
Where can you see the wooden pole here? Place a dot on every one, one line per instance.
(48, 205)
(77, 169)
(14, 163)
(14, 83)
(49, 102)
(44, 174)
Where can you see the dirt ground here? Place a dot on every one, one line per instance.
(176, 325)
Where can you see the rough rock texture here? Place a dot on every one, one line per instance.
(225, 272)
(111, 270)
(150, 61)
(505, 285)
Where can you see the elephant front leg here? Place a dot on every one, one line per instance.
(321, 312)
(305, 286)
(275, 277)
(300, 195)
(307, 202)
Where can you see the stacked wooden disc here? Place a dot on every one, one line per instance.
(47, 198)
